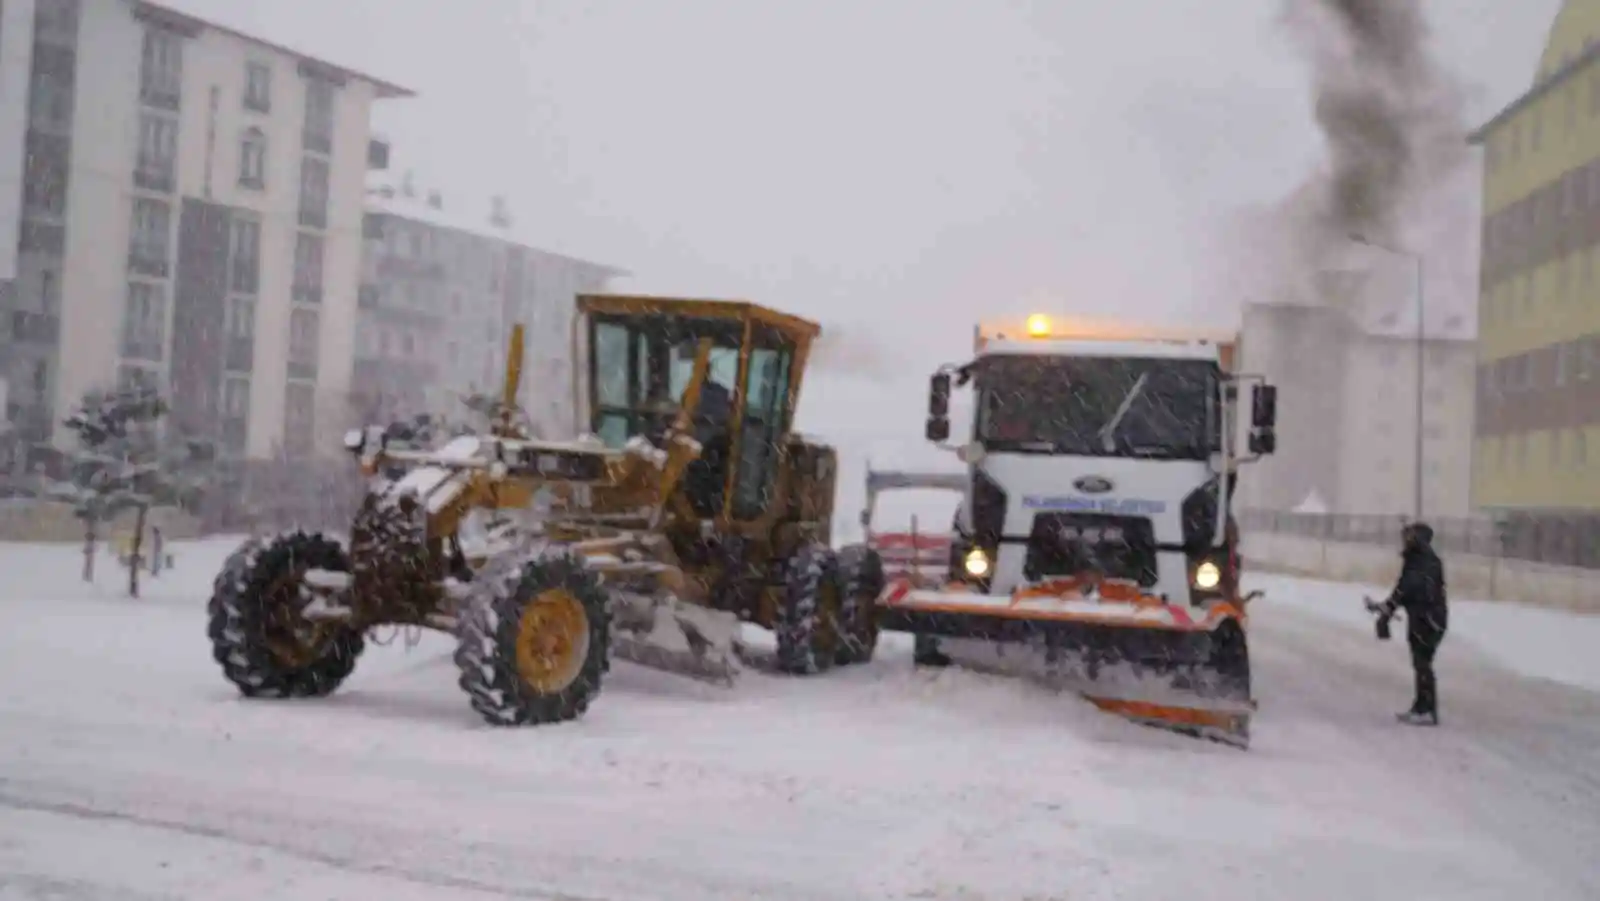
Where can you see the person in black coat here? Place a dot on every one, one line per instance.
(1420, 592)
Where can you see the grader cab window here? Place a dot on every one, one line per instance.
(766, 418)
(641, 365)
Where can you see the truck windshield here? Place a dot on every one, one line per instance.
(1098, 406)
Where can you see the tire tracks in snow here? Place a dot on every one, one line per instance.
(9, 798)
(428, 858)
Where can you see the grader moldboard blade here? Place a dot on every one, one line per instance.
(675, 637)
(1152, 663)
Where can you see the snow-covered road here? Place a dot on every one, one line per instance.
(130, 770)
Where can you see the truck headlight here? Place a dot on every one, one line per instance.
(1207, 576)
(976, 563)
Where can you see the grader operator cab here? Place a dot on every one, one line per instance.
(686, 507)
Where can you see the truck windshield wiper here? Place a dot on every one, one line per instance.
(1108, 433)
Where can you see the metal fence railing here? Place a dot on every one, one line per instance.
(1558, 539)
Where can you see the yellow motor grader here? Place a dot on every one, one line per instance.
(686, 507)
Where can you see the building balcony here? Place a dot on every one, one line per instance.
(149, 261)
(48, 238)
(392, 267)
(160, 98)
(35, 328)
(240, 354)
(235, 434)
(316, 142)
(158, 177)
(145, 349)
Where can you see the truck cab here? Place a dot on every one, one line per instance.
(1102, 452)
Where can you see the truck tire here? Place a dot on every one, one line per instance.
(861, 570)
(264, 645)
(809, 612)
(534, 639)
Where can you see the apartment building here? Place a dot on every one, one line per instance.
(190, 217)
(1348, 418)
(1538, 394)
(441, 288)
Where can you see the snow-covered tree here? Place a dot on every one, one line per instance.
(120, 463)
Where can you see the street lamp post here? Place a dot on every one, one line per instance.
(1416, 258)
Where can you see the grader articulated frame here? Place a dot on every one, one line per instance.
(686, 508)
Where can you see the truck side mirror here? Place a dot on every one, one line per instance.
(938, 430)
(1264, 406)
(1263, 442)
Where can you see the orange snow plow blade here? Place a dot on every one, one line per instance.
(1180, 668)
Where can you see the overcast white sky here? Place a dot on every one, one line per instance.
(894, 165)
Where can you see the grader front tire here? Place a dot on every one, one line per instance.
(535, 641)
(264, 645)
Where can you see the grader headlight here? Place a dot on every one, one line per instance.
(1207, 576)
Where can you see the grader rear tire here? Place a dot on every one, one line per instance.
(535, 640)
(810, 626)
(861, 571)
(264, 645)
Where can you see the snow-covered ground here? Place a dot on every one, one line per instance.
(130, 770)
(1536, 642)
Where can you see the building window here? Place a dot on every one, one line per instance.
(258, 87)
(299, 419)
(150, 241)
(235, 412)
(244, 257)
(304, 326)
(157, 163)
(56, 18)
(239, 320)
(308, 267)
(50, 102)
(49, 291)
(46, 163)
(132, 375)
(313, 192)
(317, 131)
(161, 69)
(144, 322)
(253, 159)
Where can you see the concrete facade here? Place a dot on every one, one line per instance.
(192, 219)
(1538, 439)
(441, 289)
(1347, 412)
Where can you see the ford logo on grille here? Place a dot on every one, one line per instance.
(1093, 484)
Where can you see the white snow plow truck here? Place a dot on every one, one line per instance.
(1095, 547)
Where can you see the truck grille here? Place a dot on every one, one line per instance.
(1069, 544)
